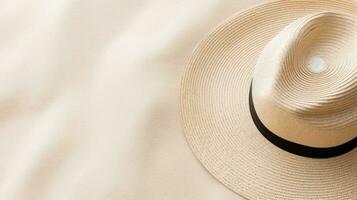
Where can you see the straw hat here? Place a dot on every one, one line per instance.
(269, 101)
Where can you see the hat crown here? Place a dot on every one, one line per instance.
(306, 77)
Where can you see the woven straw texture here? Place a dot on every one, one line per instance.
(318, 106)
(215, 107)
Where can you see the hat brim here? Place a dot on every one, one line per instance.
(218, 125)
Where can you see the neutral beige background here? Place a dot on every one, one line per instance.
(89, 96)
